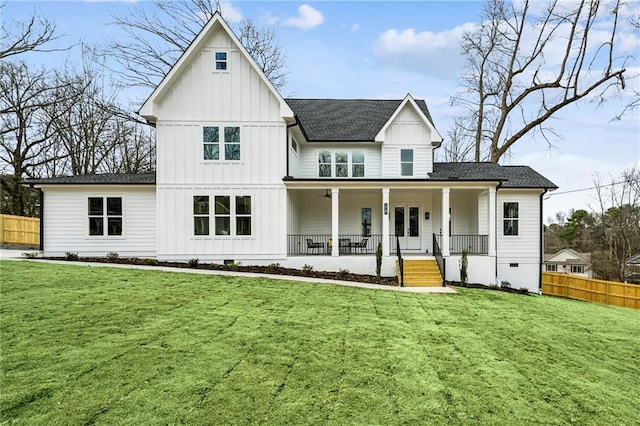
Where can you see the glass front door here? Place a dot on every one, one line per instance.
(406, 220)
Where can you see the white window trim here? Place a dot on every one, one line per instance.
(226, 61)
(221, 145)
(333, 163)
(105, 235)
(517, 219)
(366, 206)
(413, 162)
(232, 217)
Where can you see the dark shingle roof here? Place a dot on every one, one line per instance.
(512, 176)
(100, 179)
(335, 120)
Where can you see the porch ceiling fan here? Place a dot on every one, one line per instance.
(327, 194)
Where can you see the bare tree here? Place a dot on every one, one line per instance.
(136, 153)
(157, 38)
(30, 35)
(459, 146)
(524, 65)
(619, 224)
(25, 132)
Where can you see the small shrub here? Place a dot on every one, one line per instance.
(30, 254)
(464, 263)
(494, 286)
(307, 269)
(273, 267)
(233, 265)
(193, 263)
(505, 284)
(113, 255)
(378, 260)
(523, 290)
(343, 273)
(71, 255)
(150, 262)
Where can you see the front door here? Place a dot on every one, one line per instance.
(406, 220)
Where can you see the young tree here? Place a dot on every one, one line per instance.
(524, 64)
(157, 38)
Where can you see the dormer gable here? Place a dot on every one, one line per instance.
(409, 106)
(220, 59)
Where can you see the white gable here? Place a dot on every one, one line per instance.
(194, 90)
(409, 114)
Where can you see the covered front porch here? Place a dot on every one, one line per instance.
(353, 218)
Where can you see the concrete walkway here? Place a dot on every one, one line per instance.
(17, 255)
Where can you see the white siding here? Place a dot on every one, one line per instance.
(519, 255)
(410, 132)
(176, 239)
(201, 93)
(309, 158)
(66, 223)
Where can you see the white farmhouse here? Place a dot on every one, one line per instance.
(244, 175)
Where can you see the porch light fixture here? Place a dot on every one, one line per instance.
(386, 209)
(327, 194)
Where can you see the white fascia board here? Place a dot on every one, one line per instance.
(148, 108)
(436, 138)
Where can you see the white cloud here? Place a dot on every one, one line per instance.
(435, 53)
(354, 28)
(307, 18)
(230, 13)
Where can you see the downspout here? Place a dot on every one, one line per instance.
(541, 241)
(41, 198)
(495, 234)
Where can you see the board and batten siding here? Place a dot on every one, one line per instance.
(519, 256)
(202, 93)
(407, 131)
(66, 221)
(176, 239)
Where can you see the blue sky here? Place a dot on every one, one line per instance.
(387, 49)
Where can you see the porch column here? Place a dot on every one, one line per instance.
(445, 222)
(386, 208)
(492, 221)
(335, 221)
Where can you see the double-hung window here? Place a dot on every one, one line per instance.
(552, 267)
(366, 221)
(357, 163)
(201, 215)
(324, 163)
(406, 162)
(221, 61)
(222, 213)
(576, 269)
(342, 164)
(232, 143)
(230, 217)
(510, 218)
(211, 142)
(105, 216)
(243, 215)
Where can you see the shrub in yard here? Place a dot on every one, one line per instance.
(378, 260)
(505, 284)
(273, 267)
(71, 255)
(464, 263)
(113, 255)
(343, 273)
(193, 263)
(307, 269)
(150, 262)
(30, 254)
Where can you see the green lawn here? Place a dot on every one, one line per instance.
(94, 345)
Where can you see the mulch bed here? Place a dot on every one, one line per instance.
(271, 269)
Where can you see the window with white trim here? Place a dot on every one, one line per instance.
(576, 269)
(342, 164)
(406, 162)
(232, 218)
(105, 216)
(366, 221)
(211, 142)
(243, 215)
(201, 215)
(552, 267)
(510, 218)
(222, 214)
(357, 163)
(221, 61)
(324, 163)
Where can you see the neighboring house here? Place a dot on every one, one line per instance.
(633, 269)
(569, 261)
(244, 175)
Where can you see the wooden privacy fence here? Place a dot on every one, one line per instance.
(19, 230)
(590, 290)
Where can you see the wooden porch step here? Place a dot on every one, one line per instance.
(420, 273)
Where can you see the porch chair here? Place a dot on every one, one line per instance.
(313, 246)
(344, 245)
(362, 245)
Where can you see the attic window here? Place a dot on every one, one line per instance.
(221, 61)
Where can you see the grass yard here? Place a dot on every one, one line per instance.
(95, 345)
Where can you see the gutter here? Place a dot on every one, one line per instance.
(287, 175)
(41, 197)
(541, 241)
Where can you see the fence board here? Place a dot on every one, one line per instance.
(19, 230)
(590, 290)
